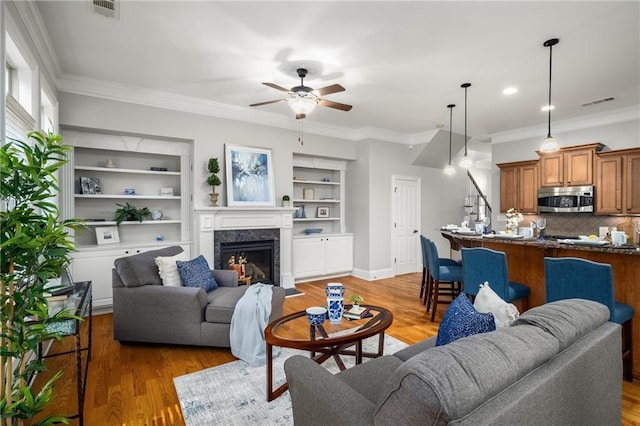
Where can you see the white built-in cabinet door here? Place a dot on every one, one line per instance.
(96, 266)
(326, 255)
(338, 254)
(308, 257)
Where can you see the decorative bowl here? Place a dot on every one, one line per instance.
(316, 315)
(312, 231)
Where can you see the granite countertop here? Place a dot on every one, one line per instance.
(548, 244)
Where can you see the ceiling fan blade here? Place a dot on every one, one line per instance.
(268, 102)
(334, 88)
(275, 86)
(336, 105)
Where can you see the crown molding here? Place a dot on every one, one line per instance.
(619, 115)
(80, 85)
(39, 35)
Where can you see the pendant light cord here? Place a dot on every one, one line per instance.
(301, 133)
(465, 119)
(549, 104)
(450, 128)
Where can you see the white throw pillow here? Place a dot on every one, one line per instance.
(169, 270)
(488, 301)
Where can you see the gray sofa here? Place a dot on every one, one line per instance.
(558, 364)
(146, 311)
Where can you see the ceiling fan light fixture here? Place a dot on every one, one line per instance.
(302, 105)
(549, 144)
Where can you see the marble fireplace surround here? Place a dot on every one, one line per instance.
(211, 219)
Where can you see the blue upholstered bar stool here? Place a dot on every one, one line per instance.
(482, 264)
(571, 277)
(440, 273)
(426, 276)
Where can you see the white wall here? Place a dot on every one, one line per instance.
(208, 134)
(368, 184)
(442, 200)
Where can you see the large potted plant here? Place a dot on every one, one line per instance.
(213, 180)
(35, 246)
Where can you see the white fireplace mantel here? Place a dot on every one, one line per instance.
(210, 219)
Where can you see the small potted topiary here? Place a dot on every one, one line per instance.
(213, 180)
(286, 201)
(355, 300)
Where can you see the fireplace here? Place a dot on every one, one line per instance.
(218, 225)
(252, 259)
(257, 250)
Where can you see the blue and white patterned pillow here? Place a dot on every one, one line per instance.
(196, 273)
(462, 320)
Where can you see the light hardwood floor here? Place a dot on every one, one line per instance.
(132, 384)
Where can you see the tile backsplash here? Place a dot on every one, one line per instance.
(583, 223)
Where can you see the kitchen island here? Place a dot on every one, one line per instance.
(525, 258)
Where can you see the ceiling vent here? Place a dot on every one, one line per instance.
(598, 101)
(108, 8)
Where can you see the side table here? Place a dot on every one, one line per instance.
(80, 302)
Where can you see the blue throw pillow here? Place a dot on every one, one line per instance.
(196, 273)
(462, 320)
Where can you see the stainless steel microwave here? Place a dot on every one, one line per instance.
(566, 199)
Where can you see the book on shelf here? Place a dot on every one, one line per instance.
(357, 314)
(58, 298)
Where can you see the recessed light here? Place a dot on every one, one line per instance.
(510, 91)
(547, 108)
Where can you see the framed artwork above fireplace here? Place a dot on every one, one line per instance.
(249, 176)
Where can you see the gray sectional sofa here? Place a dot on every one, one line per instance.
(558, 364)
(146, 311)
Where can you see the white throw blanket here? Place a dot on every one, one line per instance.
(250, 318)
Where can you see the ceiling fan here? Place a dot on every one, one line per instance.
(303, 99)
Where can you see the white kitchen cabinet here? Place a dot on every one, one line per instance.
(322, 255)
(96, 266)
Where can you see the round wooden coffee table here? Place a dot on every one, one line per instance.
(325, 341)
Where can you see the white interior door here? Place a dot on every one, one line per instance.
(405, 227)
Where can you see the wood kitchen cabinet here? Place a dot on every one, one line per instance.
(572, 166)
(519, 186)
(617, 181)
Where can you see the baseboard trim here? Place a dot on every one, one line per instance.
(373, 275)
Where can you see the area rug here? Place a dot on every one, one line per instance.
(235, 393)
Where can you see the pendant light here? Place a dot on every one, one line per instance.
(449, 169)
(550, 144)
(466, 161)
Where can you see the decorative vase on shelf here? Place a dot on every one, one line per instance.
(335, 301)
(214, 199)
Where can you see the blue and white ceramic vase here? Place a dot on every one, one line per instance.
(335, 301)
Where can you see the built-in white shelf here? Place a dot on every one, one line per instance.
(315, 182)
(301, 201)
(315, 219)
(128, 197)
(133, 222)
(129, 171)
